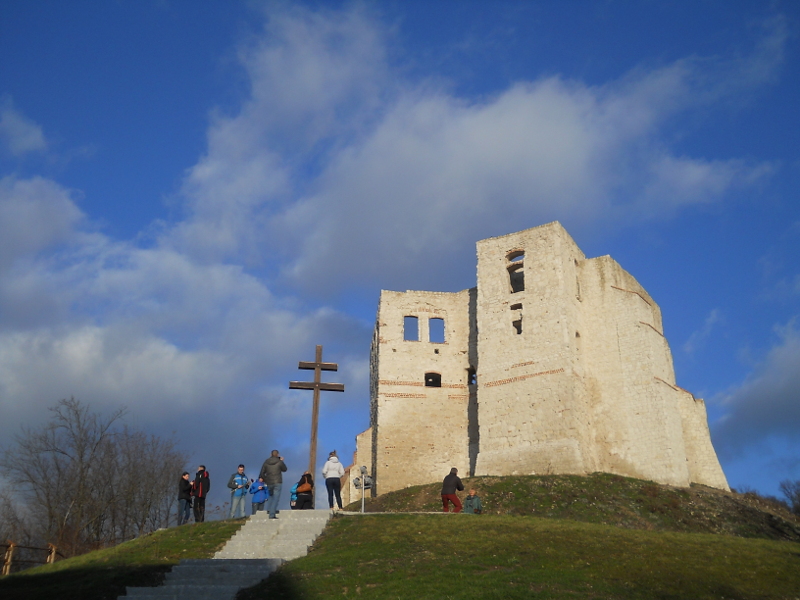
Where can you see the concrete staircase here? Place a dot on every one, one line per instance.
(286, 537)
(252, 554)
(207, 579)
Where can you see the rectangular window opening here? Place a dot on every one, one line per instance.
(433, 380)
(436, 330)
(516, 276)
(411, 329)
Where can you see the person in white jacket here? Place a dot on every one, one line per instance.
(332, 472)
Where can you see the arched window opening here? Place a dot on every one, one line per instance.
(433, 380)
(516, 270)
(411, 329)
(436, 330)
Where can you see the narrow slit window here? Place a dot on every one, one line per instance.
(411, 329)
(436, 330)
(472, 377)
(516, 317)
(433, 380)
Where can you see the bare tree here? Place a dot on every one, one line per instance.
(87, 483)
(791, 489)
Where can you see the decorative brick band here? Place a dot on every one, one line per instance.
(453, 386)
(392, 382)
(404, 395)
(458, 397)
(632, 292)
(522, 377)
(525, 364)
(653, 328)
(677, 388)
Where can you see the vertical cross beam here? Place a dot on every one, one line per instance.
(317, 385)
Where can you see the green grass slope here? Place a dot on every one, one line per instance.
(610, 500)
(103, 574)
(499, 556)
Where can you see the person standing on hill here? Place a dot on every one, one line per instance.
(184, 498)
(332, 472)
(238, 484)
(200, 487)
(451, 483)
(305, 492)
(260, 493)
(272, 473)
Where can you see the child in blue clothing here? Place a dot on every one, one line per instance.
(260, 494)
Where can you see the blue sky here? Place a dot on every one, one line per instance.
(194, 195)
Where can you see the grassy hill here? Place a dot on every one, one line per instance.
(610, 500)
(384, 557)
(546, 537)
(103, 574)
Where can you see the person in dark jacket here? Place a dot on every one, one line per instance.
(184, 498)
(305, 499)
(200, 487)
(272, 473)
(450, 484)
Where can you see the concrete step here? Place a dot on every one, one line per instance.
(207, 579)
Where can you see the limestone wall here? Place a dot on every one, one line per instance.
(420, 431)
(573, 375)
(362, 457)
(531, 409)
(636, 423)
(701, 458)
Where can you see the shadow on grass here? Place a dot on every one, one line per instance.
(280, 585)
(87, 583)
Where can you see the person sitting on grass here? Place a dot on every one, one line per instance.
(260, 494)
(472, 504)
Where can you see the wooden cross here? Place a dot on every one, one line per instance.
(317, 385)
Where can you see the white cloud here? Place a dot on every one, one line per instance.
(18, 134)
(338, 171)
(697, 338)
(347, 173)
(35, 214)
(768, 402)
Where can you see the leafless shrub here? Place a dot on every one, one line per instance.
(791, 490)
(87, 483)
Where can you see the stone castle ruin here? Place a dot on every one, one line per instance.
(554, 363)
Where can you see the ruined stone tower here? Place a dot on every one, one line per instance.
(554, 363)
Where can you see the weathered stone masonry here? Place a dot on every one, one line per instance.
(554, 363)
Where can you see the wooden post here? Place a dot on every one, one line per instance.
(317, 385)
(51, 556)
(8, 558)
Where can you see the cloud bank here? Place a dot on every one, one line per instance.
(336, 171)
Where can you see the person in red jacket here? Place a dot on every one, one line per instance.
(200, 487)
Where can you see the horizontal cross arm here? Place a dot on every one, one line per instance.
(323, 366)
(310, 385)
(331, 387)
(301, 385)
